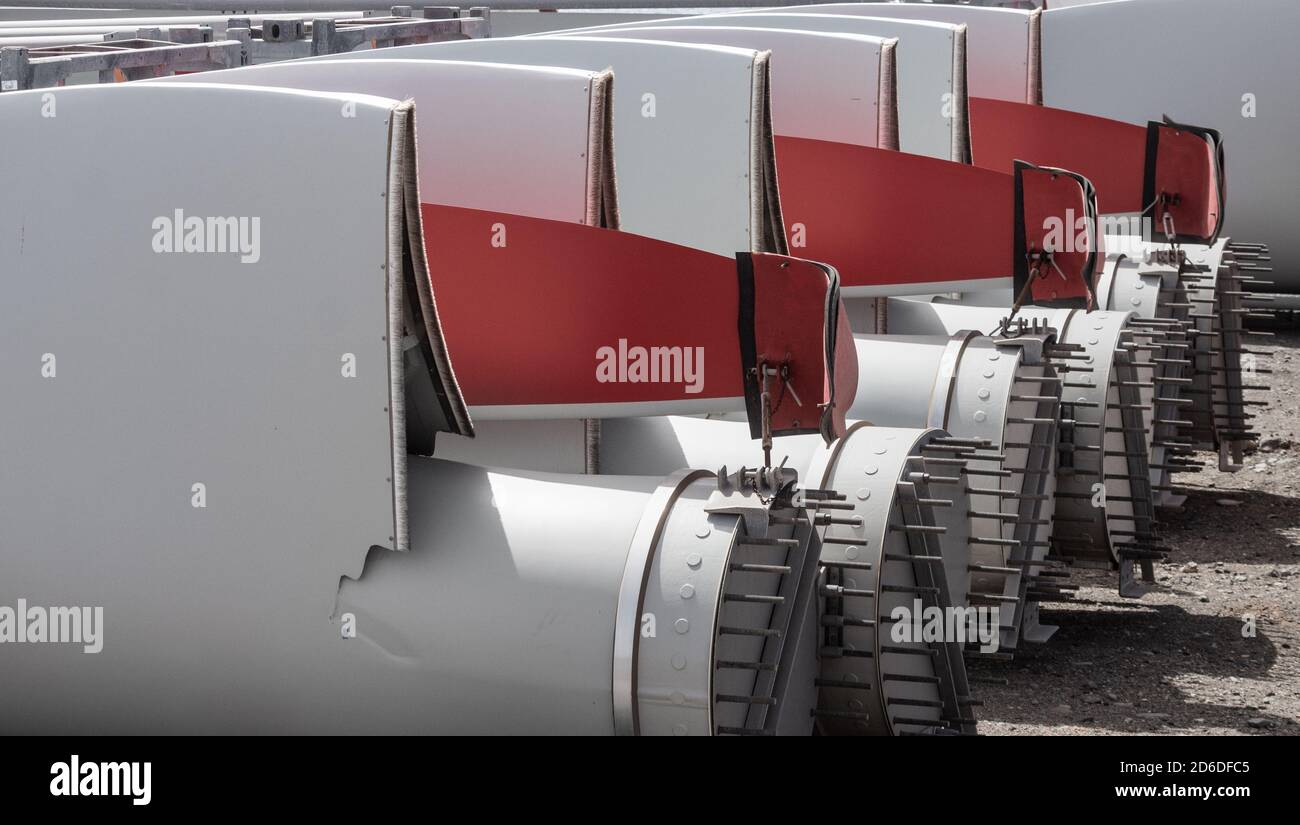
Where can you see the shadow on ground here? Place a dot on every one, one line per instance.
(1115, 668)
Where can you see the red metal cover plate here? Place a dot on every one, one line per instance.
(1056, 216)
(1186, 165)
(791, 320)
(1110, 153)
(546, 312)
(882, 217)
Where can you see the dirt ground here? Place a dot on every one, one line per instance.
(1176, 661)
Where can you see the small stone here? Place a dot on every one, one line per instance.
(1190, 567)
(1259, 722)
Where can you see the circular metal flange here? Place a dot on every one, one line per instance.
(1200, 282)
(1211, 297)
(1104, 511)
(704, 612)
(1031, 442)
(1231, 420)
(631, 598)
(1218, 285)
(999, 399)
(1007, 408)
(1164, 339)
(881, 572)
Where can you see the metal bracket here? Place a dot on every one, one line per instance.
(115, 60)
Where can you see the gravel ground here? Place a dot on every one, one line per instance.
(1176, 661)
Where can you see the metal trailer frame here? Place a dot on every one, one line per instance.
(24, 68)
(150, 51)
